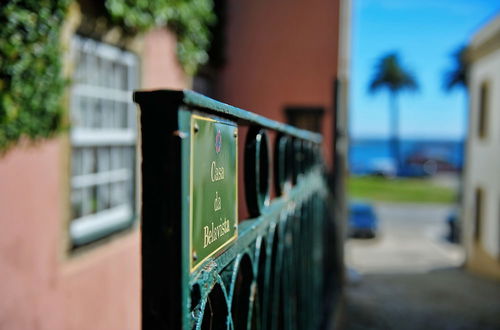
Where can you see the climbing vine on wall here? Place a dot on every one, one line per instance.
(31, 82)
(189, 19)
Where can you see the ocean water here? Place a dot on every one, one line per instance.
(364, 154)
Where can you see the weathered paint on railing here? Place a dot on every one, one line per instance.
(281, 271)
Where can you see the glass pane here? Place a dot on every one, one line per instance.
(116, 115)
(131, 116)
(93, 196)
(103, 160)
(117, 194)
(92, 70)
(103, 196)
(86, 201)
(116, 158)
(88, 161)
(76, 162)
(123, 115)
(121, 77)
(99, 72)
(81, 67)
(76, 112)
(76, 203)
(87, 111)
(107, 108)
(97, 114)
(128, 154)
(114, 75)
(125, 78)
(108, 73)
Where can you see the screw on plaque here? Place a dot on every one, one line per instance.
(196, 128)
(235, 133)
(195, 256)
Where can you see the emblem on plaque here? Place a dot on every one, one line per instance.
(218, 141)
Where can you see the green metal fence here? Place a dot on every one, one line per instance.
(279, 267)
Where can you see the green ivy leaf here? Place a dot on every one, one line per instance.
(31, 84)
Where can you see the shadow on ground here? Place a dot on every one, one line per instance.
(440, 299)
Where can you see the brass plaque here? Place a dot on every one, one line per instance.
(213, 187)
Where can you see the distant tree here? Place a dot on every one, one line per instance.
(391, 76)
(456, 77)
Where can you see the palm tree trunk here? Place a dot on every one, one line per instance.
(394, 127)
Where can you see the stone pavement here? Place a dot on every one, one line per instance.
(410, 278)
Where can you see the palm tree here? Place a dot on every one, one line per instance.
(456, 78)
(457, 75)
(391, 76)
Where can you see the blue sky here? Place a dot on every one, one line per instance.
(424, 33)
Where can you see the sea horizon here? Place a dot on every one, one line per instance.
(365, 154)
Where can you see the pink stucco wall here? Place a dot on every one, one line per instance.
(30, 218)
(281, 54)
(43, 286)
(162, 69)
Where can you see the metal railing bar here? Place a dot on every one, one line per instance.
(197, 100)
(209, 105)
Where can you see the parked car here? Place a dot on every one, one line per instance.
(363, 221)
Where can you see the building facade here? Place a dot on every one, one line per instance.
(481, 207)
(70, 245)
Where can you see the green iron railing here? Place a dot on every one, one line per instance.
(279, 268)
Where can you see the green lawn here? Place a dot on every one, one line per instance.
(399, 190)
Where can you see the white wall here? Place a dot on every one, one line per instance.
(483, 156)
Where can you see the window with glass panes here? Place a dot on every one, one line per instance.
(103, 139)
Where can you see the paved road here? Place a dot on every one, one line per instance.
(410, 239)
(410, 277)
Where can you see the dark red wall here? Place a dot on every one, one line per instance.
(281, 53)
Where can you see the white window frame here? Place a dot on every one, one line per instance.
(91, 83)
